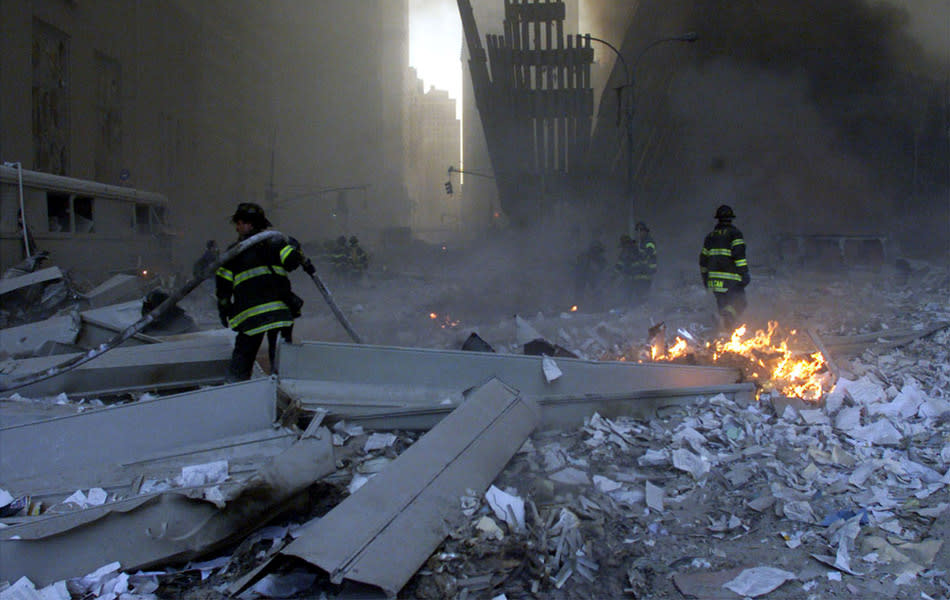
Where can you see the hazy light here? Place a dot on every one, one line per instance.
(435, 45)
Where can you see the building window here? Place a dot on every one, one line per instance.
(82, 209)
(141, 223)
(57, 211)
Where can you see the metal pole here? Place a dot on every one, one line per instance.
(26, 236)
(629, 110)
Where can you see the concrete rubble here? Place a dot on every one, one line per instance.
(383, 471)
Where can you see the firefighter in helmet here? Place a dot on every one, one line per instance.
(643, 267)
(357, 257)
(340, 256)
(637, 262)
(253, 290)
(724, 268)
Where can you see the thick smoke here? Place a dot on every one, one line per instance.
(812, 116)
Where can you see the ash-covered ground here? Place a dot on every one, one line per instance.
(848, 497)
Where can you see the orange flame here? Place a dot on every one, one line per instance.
(793, 376)
(765, 353)
(574, 308)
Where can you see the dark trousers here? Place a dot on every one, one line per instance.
(245, 352)
(731, 304)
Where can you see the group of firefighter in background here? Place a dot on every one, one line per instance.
(635, 265)
(346, 259)
(722, 265)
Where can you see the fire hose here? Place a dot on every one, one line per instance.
(7, 384)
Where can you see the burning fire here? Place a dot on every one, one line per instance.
(445, 322)
(574, 308)
(765, 352)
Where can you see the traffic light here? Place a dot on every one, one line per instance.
(448, 187)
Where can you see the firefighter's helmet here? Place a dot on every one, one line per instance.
(252, 213)
(725, 212)
(354, 240)
(641, 226)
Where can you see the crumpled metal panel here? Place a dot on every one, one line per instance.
(199, 361)
(387, 529)
(157, 529)
(121, 434)
(359, 379)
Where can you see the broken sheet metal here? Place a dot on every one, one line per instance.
(181, 364)
(358, 379)
(100, 325)
(387, 529)
(12, 284)
(77, 446)
(148, 530)
(567, 412)
(27, 340)
(118, 288)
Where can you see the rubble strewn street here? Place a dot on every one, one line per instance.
(745, 493)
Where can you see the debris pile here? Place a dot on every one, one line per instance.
(433, 473)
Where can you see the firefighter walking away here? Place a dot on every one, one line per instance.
(254, 293)
(724, 268)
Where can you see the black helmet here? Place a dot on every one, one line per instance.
(641, 226)
(211, 244)
(353, 240)
(252, 213)
(725, 212)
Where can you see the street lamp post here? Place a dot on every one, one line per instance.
(629, 109)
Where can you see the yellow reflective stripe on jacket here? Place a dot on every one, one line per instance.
(737, 242)
(245, 275)
(718, 252)
(256, 310)
(285, 252)
(722, 275)
(224, 274)
(742, 263)
(268, 327)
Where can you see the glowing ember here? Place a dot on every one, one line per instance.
(444, 321)
(766, 358)
(574, 308)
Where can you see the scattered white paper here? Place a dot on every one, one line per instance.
(204, 474)
(550, 368)
(655, 497)
(488, 528)
(570, 476)
(378, 441)
(878, 433)
(684, 460)
(507, 507)
(605, 484)
(755, 582)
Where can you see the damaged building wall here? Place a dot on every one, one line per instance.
(212, 102)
